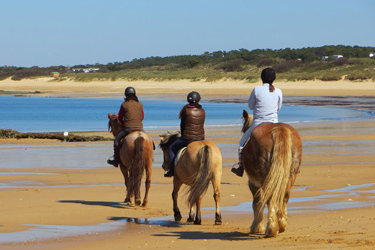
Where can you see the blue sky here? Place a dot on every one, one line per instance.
(71, 32)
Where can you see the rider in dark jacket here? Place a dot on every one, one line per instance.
(192, 117)
(130, 117)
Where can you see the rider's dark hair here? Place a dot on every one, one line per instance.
(131, 97)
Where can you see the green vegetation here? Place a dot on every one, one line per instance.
(11, 133)
(290, 64)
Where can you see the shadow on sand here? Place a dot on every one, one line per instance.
(99, 203)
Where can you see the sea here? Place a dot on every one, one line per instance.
(54, 114)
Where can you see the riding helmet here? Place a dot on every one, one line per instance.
(268, 75)
(129, 91)
(193, 97)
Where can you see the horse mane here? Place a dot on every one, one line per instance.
(168, 139)
(248, 121)
(109, 126)
(109, 123)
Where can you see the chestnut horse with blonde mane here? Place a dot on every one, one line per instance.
(271, 159)
(199, 163)
(136, 155)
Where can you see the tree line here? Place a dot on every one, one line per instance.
(282, 60)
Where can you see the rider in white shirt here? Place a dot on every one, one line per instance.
(265, 101)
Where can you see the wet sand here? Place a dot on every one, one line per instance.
(80, 202)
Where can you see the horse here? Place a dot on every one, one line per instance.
(271, 159)
(136, 155)
(198, 164)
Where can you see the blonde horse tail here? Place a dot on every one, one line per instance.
(136, 171)
(277, 179)
(201, 181)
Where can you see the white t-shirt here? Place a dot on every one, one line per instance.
(265, 104)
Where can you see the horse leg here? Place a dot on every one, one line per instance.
(137, 195)
(191, 215)
(273, 222)
(257, 227)
(125, 173)
(176, 187)
(198, 219)
(216, 186)
(283, 212)
(147, 183)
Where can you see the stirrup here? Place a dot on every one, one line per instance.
(237, 171)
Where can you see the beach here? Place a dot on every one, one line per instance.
(332, 202)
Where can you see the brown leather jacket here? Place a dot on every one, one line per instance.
(132, 114)
(192, 122)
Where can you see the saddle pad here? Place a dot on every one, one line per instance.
(179, 153)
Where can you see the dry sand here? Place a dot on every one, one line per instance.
(332, 205)
(222, 88)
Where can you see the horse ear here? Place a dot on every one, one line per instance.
(245, 115)
(109, 116)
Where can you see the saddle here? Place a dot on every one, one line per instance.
(134, 130)
(178, 155)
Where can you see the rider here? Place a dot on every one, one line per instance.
(130, 117)
(265, 101)
(192, 117)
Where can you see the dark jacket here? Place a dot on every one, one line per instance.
(131, 114)
(192, 122)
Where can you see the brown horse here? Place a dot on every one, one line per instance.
(271, 159)
(136, 155)
(199, 164)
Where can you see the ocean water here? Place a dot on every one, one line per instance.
(45, 114)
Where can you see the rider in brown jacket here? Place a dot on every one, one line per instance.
(130, 117)
(192, 117)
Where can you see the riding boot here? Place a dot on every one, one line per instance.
(170, 172)
(239, 170)
(115, 158)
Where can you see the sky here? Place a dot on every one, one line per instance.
(72, 32)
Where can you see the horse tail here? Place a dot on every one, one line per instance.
(276, 182)
(136, 171)
(201, 181)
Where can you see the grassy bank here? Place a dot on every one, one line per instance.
(327, 63)
(354, 69)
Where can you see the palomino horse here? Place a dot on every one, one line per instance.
(271, 159)
(136, 155)
(199, 163)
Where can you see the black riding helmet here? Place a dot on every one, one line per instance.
(268, 75)
(193, 97)
(129, 91)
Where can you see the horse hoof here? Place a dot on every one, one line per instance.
(144, 204)
(177, 217)
(218, 222)
(217, 219)
(197, 222)
(138, 202)
(190, 220)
